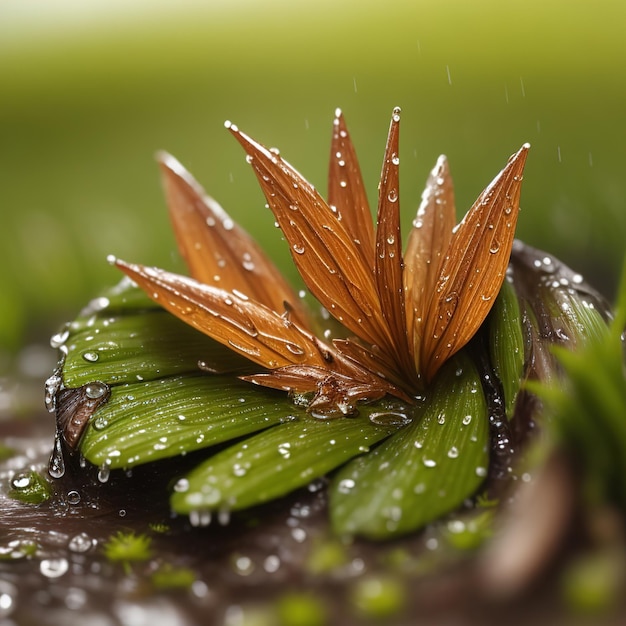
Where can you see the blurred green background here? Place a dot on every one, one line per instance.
(90, 90)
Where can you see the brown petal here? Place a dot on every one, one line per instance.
(323, 250)
(374, 361)
(346, 191)
(217, 250)
(389, 254)
(247, 327)
(335, 393)
(427, 244)
(474, 267)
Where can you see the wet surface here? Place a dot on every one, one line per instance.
(241, 570)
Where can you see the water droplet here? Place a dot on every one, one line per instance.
(389, 418)
(395, 160)
(456, 526)
(294, 348)
(495, 247)
(346, 485)
(298, 248)
(453, 452)
(429, 462)
(73, 497)
(100, 423)
(181, 485)
(52, 387)
(21, 481)
(481, 471)
(466, 420)
(243, 565)
(54, 568)
(103, 473)
(8, 597)
(441, 418)
(419, 488)
(392, 196)
(396, 114)
(91, 357)
(56, 464)
(200, 518)
(57, 340)
(284, 449)
(391, 240)
(80, 543)
(271, 564)
(95, 390)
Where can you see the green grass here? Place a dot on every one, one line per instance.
(83, 110)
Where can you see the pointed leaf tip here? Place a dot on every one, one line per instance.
(474, 267)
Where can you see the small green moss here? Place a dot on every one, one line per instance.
(30, 487)
(301, 609)
(378, 597)
(170, 577)
(159, 527)
(128, 548)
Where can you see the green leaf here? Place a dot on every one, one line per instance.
(127, 338)
(506, 344)
(425, 470)
(144, 422)
(274, 463)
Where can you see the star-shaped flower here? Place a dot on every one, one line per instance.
(404, 314)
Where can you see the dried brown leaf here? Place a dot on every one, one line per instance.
(247, 327)
(474, 267)
(426, 247)
(216, 249)
(346, 191)
(389, 282)
(323, 250)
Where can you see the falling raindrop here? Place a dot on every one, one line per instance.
(56, 464)
(103, 473)
(200, 518)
